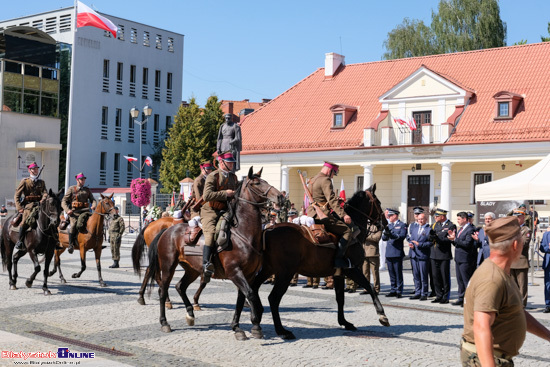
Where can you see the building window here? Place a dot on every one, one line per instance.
(158, 42)
(156, 129)
(132, 73)
(503, 109)
(145, 82)
(168, 123)
(157, 78)
(65, 22)
(120, 32)
(133, 35)
(105, 68)
(145, 76)
(103, 161)
(420, 118)
(146, 38)
(338, 120)
(118, 125)
(130, 129)
(117, 162)
(169, 81)
(119, 70)
(480, 178)
(104, 122)
(51, 25)
(170, 44)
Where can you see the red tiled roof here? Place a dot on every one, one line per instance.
(300, 118)
(235, 107)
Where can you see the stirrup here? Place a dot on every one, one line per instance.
(208, 271)
(20, 246)
(70, 249)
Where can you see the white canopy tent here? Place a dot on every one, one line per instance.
(530, 184)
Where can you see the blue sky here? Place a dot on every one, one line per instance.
(252, 49)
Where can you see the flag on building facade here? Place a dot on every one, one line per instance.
(149, 161)
(130, 159)
(85, 16)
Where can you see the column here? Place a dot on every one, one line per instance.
(445, 200)
(367, 175)
(284, 178)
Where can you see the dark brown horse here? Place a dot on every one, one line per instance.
(288, 250)
(41, 240)
(240, 262)
(91, 240)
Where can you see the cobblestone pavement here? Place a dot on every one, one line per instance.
(421, 334)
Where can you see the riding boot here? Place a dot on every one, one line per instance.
(20, 245)
(208, 267)
(340, 261)
(115, 264)
(72, 239)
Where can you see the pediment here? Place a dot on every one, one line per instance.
(424, 84)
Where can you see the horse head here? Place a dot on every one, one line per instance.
(51, 208)
(365, 208)
(257, 190)
(106, 205)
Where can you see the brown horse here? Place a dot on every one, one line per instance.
(240, 262)
(41, 240)
(289, 250)
(91, 240)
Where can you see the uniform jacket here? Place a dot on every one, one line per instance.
(483, 245)
(523, 262)
(116, 228)
(323, 194)
(412, 226)
(422, 235)
(214, 191)
(395, 234)
(465, 245)
(545, 248)
(371, 242)
(441, 249)
(198, 189)
(29, 187)
(79, 194)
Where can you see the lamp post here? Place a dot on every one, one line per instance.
(134, 112)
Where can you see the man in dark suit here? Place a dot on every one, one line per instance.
(482, 240)
(545, 248)
(441, 255)
(465, 254)
(420, 245)
(395, 234)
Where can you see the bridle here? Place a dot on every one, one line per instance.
(373, 207)
(106, 212)
(262, 195)
(51, 222)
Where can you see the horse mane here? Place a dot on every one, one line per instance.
(358, 201)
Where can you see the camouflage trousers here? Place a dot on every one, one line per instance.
(115, 247)
(469, 358)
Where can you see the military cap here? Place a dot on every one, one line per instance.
(502, 229)
(440, 211)
(418, 210)
(3, 205)
(33, 165)
(227, 157)
(392, 211)
(80, 175)
(522, 206)
(292, 212)
(470, 214)
(116, 208)
(332, 166)
(517, 212)
(206, 165)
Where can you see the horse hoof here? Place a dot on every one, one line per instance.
(190, 320)
(384, 320)
(51, 273)
(28, 283)
(102, 284)
(169, 305)
(288, 335)
(240, 335)
(257, 334)
(47, 293)
(13, 288)
(197, 308)
(350, 327)
(62, 280)
(75, 275)
(141, 301)
(166, 329)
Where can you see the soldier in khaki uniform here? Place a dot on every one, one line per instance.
(218, 189)
(116, 230)
(324, 197)
(198, 188)
(520, 268)
(76, 201)
(372, 257)
(30, 191)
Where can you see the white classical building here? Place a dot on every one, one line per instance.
(141, 66)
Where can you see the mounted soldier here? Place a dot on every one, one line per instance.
(198, 189)
(29, 193)
(219, 187)
(77, 200)
(336, 220)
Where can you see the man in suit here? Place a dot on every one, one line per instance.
(441, 255)
(545, 248)
(420, 245)
(465, 254)
(395, 234)
(482, 240)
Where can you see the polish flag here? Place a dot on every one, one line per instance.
(85, 16)
(342, 193)
(130, 159)
(173, 201)
(148, 161)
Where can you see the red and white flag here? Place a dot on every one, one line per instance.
(148, 161)
(130, 159)
(85, 16)
(173, 201)
(342, 193)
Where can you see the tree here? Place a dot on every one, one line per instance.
(191, 140)
(458, 25)
(546, 39)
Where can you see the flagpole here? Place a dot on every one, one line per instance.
(71, 102)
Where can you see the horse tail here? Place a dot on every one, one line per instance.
(154, 266)
(137, 251)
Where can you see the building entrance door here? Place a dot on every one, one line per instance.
(418, 194)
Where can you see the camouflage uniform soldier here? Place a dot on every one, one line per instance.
(218, 188)
(30, 191)
(75, 202)
(116, 230)
(284, 209)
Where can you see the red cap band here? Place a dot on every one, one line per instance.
(333, 167)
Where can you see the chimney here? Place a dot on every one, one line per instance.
(332, 63)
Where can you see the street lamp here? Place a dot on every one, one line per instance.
(134, 112)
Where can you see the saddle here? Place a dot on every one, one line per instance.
(319, 235)
(192, 235)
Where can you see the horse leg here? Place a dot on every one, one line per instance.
(49, 255)
(82, 263)
(97, 252)
(57, 265)
(282, 281)
(356, 275)
(239, 333)
(197, 295)
(163, 280)
(9, 264)
(239, 280)
(37, 269)
(339, 290)
(16, 256)
(146, 277)
(189, 277)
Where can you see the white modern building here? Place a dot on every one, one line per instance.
(141, 67)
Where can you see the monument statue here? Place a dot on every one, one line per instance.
(229, 138)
